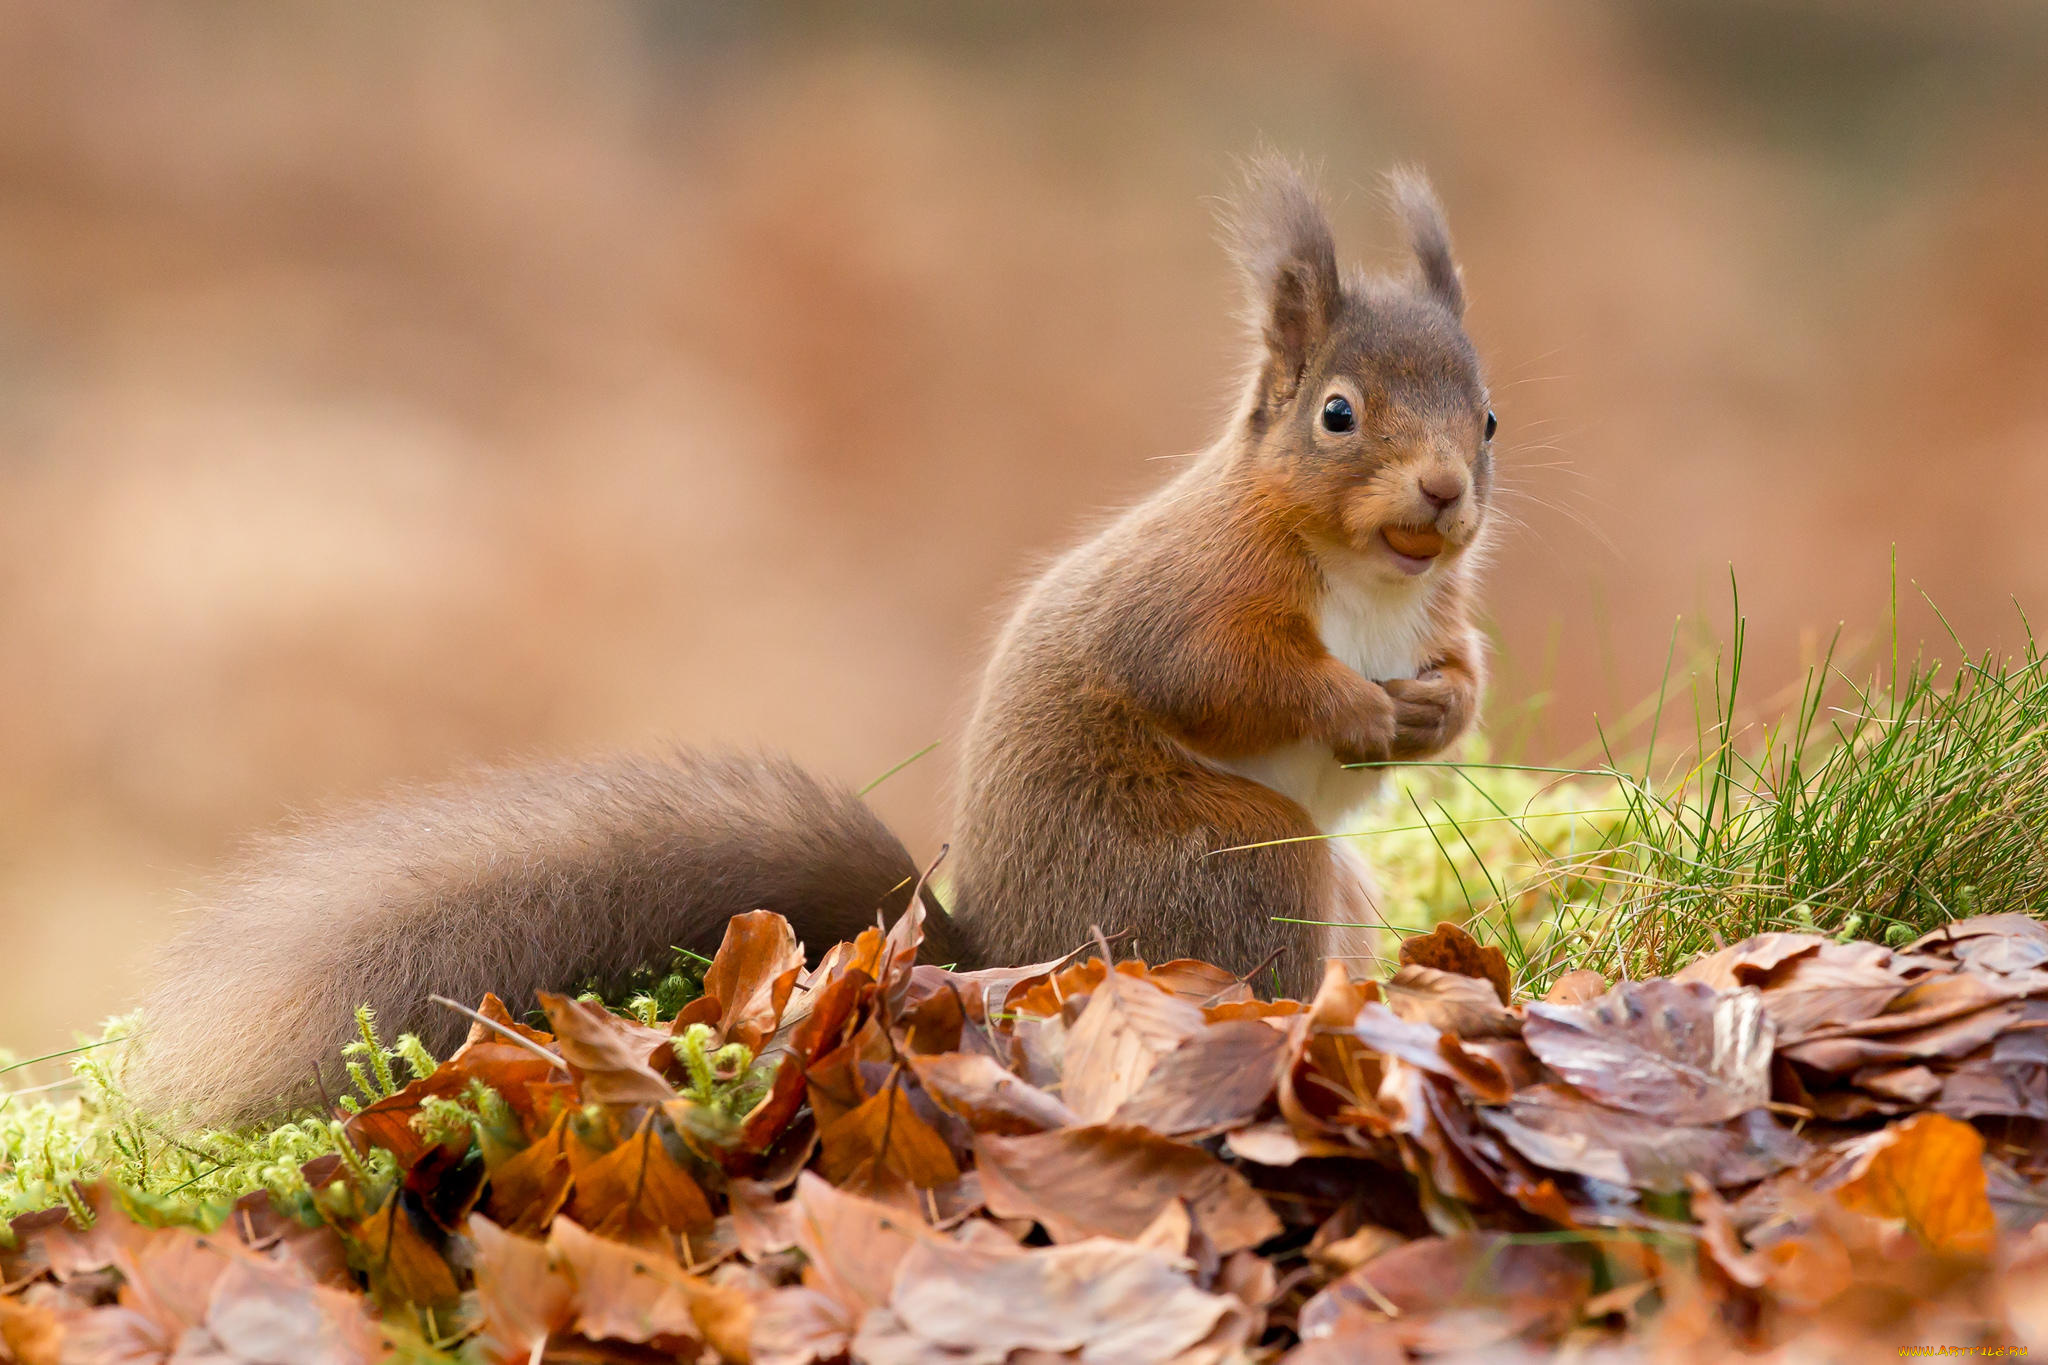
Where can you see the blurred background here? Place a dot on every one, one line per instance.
(385, 388)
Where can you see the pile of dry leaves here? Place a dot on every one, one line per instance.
(1795, 1144)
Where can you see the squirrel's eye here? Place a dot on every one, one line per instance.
(1491, 424)
(1337, 414)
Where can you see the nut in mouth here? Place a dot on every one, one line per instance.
(1425, 543)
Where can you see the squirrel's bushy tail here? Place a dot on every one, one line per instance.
(514, 880)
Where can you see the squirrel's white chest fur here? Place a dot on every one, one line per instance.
(1380, 630)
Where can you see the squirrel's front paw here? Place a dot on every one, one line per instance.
(1370, 735)
(1429, 712)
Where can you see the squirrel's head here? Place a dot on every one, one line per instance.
(1366, 413)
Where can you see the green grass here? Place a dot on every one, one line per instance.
(1878, 807)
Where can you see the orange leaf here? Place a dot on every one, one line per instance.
(1109, 1180)
(402, 1264)
(752, 975)
(528, 1188)
(1126, 1027)
(1927, 1172)
(1451, 949)
(638, 1190)
(521, 1291)
(886, 1130)
(608, 1054)
(626, 1294)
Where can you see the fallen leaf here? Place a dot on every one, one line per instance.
(2024, 928)
(1128, 1025)
(1198, 983)
(1750, 962)
(886, 1131)
(607, 1054)
(1995, 1086)
(397, 1254)
(523, 1294)
(752, 975)
(1448, 948)
(624, 1293)
(1561, 1130)
(853, 1244)
(1329, 1089)
(258, 1314)
(1462, 1006)
(530, 1187)
(1097, 1301)
(1220, 1078)
(1576, 988)
(1836, 985)
(638, 1189)
(797, 1326)
(1955, 1036)
(1927, 1172)
(1422, 1046)
(986, 1097)
(1461, 1293)
(1109, 1180)
(1683, 1053)
(30, 1333)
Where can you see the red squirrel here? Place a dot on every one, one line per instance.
(1195, 678)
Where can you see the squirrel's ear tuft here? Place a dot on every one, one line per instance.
(1429, 236)
(1280, 237)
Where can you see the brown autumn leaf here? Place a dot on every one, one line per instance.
(1044, 999)
(257, 1314)
(1448, 948)
(1460, 1293)
(523, 1294)
(1680, 1052)
(1198, 983)
(1102, 1300)
(853, 1245)
(1110, 1180)
(1128, 1025)
(1928, 1173)
(1219, 1079)
(1330, 1090)
(2007, 927)
(1422, 1046)
(32, 1333)
(1836, 984)
(402, 1262)
(989, 1099)
(530, 1187)
(1750, 962)
(1955, 1036)
(1576, 987)
(885, 1132)
(1561, 1130)
(1909, 1084)
(1463, 1006)
(1934, 999)
(638, 1190)
(1465, 1159)
(608, 1055)
(751, 976)
(2017, 1086)
(625, 1293)
(799, 1326)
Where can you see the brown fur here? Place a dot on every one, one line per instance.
(1186, 631)
(512, 881)
(1094, 787)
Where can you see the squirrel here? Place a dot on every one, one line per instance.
(1167, 726)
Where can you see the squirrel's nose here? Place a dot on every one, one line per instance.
(1442, 487)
